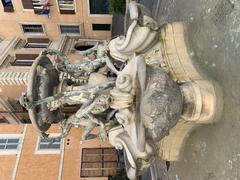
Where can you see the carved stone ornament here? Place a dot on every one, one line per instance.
(147, 103)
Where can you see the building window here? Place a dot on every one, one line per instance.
(41, 7)
(7, 5)
(37, 4)
(66, 6)
(98, 7)
(101, 27)
(3, 120)
(27, 4)
(37, 43)
(98, 162)
(24, 59)
(49, 145)
(69, 29)
(83, 47)
(9, 144)
(32, 28)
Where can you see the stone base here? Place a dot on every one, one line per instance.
(171, 146)
(202, 101)
(175, 53)
(206, 110)
(202, 98)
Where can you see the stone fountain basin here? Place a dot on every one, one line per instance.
(40, 87)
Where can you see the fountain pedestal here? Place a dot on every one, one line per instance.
(146, 101)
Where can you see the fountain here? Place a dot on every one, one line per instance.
(142, 91)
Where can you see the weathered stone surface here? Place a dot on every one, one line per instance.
(161, 103)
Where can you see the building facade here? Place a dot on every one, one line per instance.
(24, 155)
(26, 28)
(88, 19)
(16, 58)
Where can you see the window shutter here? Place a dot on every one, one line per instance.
(27, 4)
(26, 56)
(24, 59)
(37, 40)
(67, 11)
